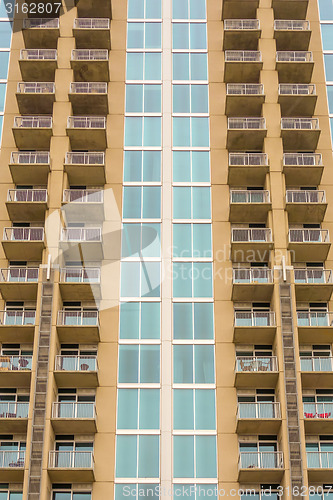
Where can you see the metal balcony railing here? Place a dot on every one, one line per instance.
(254, 319)
(88, 88)
(14, 410)
(30, 158)
(256, 364)
(38, 54)
(294, 56)
(316, 363)
(81, 234)
(286, 25)
(242, 56)
(258, 235)
(15, 363)
(315, 319)
(71, 460)
(33, 121)
(80, 275)
(259, 410)
(315, 275)
(308, 236)
(35, 88)
(12, 459)
(23, 234)
(19, 275)
(245, 89)
(27, 195)
(85, 158)
(90, 55)
(302, 159)
(42, 23)
(318, 410)
(303, 196)
(260, 460)
(320, 459)
(247, 123)
(248, 159)
(76, 363)
(299, 123)
(241, 24)
(73, 410)
(17, 317)
(83, 196)
(253, 196)
(253, 275)
(86, 122)
(92, 23)
(297, 89)
(77, 318)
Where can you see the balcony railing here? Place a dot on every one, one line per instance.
(85, 158)
(71, 459)
(83, 196)
(38, 55)
(308, 236)
(245, 89)
(76, 363)
(247, 123)
(260, 460)
(12, 459)
(320, 459)
(254, 319)
(35, 88)
(73, 410)
(259, 410)
(27, 195)
(297, 89)
(80, 275)
(23, 234)
(315, 275)
(299, 123)
(77, 318)
(14, 410)
(292, 25)
(43, 23)
(15, 363)
(19, 275)
(243, 56)
(33, 121)
(253, 275)
(17, 318)
(316, 364)
(253, 196)
(241, 24)
(86, 122)
(248, 159)
(93, 23)
(88, 88)
(30, 158)
(294, 56)
(302, 159)
(318, 410)
(257, 235)
(90, 55)
(81, 234)
(303, 196)
(311, 318)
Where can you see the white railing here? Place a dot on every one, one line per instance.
(81, 234)
(241, 24)
(86, 122)
(302, 159)
(247, 123)
(30, 158)
(90, 55)
(248, 159)
(19, 275)
(251, 196)
(74, 410)
(314, 275)
(308, 236)
(12, 459)
(80, 275)
(318, 410)
(242, 56)
(259, 410)
(33, 121)
(15, 363)
(83, 196)
(286, 25)
(71, 460)
(294, 56)
(299, 123)
(42, 23)
(260, 460)
(27, 195)
(77, 318)
(88, 88)
(252, 275)
(297, 89)
(35, 88)
(38, 54)
(92, 23)
(17, 317)
(254, 319)
(14, 410)
(255, 235)
(76, 363)
(316, 363)
(245, 89)
(85, 158)
(303, 196)
(23, 234)
(320, 459)
(316, 319)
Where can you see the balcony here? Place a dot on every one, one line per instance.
(14, 417)
(79, 243)
(252, 284)
(12, 466)
(244, 98)
(294, 66)
(314, 284)
(27, 242)
(38, 64)
(300, 134)
(87, 132)
(86, 205)
(93, 33)
(19, 283)
(297, 99)
(15, 371)
(315, 326)
(320, 466)
(34, 98)
(18, 326)
(284, 9)
(242, 66)
(317, 372)
(90, 65)
(76, 371)
(258, 418)
(41, 32)
(80, 283)
(87, 168)
(254, 327)
(32, 132)
(303, 169)
(309, 245)
(318, 418)
(233, 9)
(30, 167)
(71, 466)
(250, 245)
(292, 34)
(89, 8)
(248, 169)
(77, 418)
(305, 205)
(249, 205)
(89, 98)
(241, 34)
(78, 326)
(26, 204)
(246, 133)
(260, 466)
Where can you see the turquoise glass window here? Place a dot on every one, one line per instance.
(328, 59)
(129, 400)
(190, 132)
(142, 166)
(153, 9)
(180, 36)
(191, 202)
(7, 8)
(135, 66)
(327, 36)
(192, 240)
(126, 456)
(142, 131)
(153, 35)
(190, 98)
(153, 66)
(149, 456)
(4, 60)
(183, 409)
(191, 166)
(330, 98)
(142, 202)
(205, 456)
(141, 240)
(204, 364)
(127, 409)
(145, 358)
(192, 279)
(140, 279)
(199, 67)
(149, 415)
(140, 320)
(183, 364)
(135, 36)
(189, 9)
(181, 66)
(2, 96)
(183, 456)
(5, 34)
(198, 37)
(205, 412)
(143, 36)
(143, 66)
(128, 364)
(326, 10)
(199, 357)
(180, 9)
(194, 409)
(144, 9)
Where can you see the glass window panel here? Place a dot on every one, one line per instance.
(182, 202)
(200, 132)
(129, 320)
(130, 279)
(135, 35)
(328, 58)
(182, 279)
(2, 96)
(204, 364)
(149, 491)
(57, 495)
(132, 202)
(150, 320)
(149, 417)
(181, 66)
(78, 495)
(200, 166)
(331, 123)
(133, 166)
(153, 66)
(203, 321)
(124, 491)
(5, 34)
(180, 9)
(198, 9)
(152, 166)
(183, 411)
(201, 202)
(152, 98)
(180, 36)
(199, 67)
(202, 240)
(199, 98)
(198, 39)
(127, 413)
(181, 132)
(134, 98)
(18, 495)
(131, 240)
(182, 321)
(133, 131)
(6, 8)
(181, 166)
(181, 99)
(134, 66)
(4, 60)
(327, 36)
(149, 456)
(153, 9)
(182, 240)
(150, 364)
(136, 9)
(153, 36)
(205, 409)
(151, 279)
(183, 456)
(152, 132)
(205, 456)
(128, 364)
(202, 279)
(151, 208)
(126, 453)
(326, 10)
(330, 98)
(183, 364)
(151, 240)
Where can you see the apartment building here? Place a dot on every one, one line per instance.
(166, 327)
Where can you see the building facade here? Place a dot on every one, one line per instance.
(166, 264)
